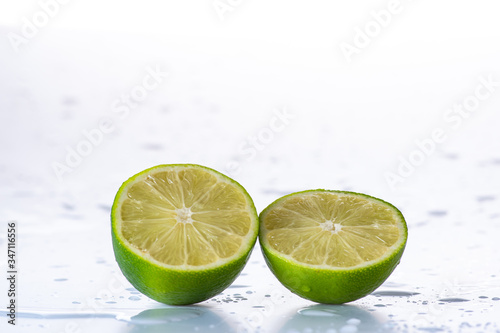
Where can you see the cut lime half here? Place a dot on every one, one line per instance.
(332, 246)
(182, 232)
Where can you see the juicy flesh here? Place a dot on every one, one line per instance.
(185, 217)
(331, 229)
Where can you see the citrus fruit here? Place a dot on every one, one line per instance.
(332, 246)
(182, 232)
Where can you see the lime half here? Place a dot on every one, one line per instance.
(182, 233)
(332, 246)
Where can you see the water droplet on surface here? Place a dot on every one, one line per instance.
(68, 206)
(431, 329)
(484, 198)
(60, 280)
(438, 213)
(104, 207)
(379, 305)
(305, 289)
(451, 156)
(391, 284)
(134, 298)
(152, 146)
(395, 293)
(353, 321)
(495, 299)
(238, 286)
(44, 314)
(317, 312)
(453, 300)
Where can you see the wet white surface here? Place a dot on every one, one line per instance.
(278, 108)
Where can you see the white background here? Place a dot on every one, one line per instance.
(354, 121)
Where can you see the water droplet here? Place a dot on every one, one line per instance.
(353, 321)
(68, 206)
(249, 292)
(394, 293)
(483, 296)
(134, 298)
(431, 329)
(438, 212)
(76, 302)
(60, 280)
(317, 312)
(44, 314)
(453, 300)
(393, 284)
(380, 305)
(484, 198)
(238, 286)
(152, 146)
(451, 156)
(495, 299)
(104, 207)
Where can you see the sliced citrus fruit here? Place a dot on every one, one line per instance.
(332, 246)
(182, 232)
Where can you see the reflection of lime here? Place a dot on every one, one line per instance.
(331, 246)
(333, 318)
(182, 233)
(179, 319)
